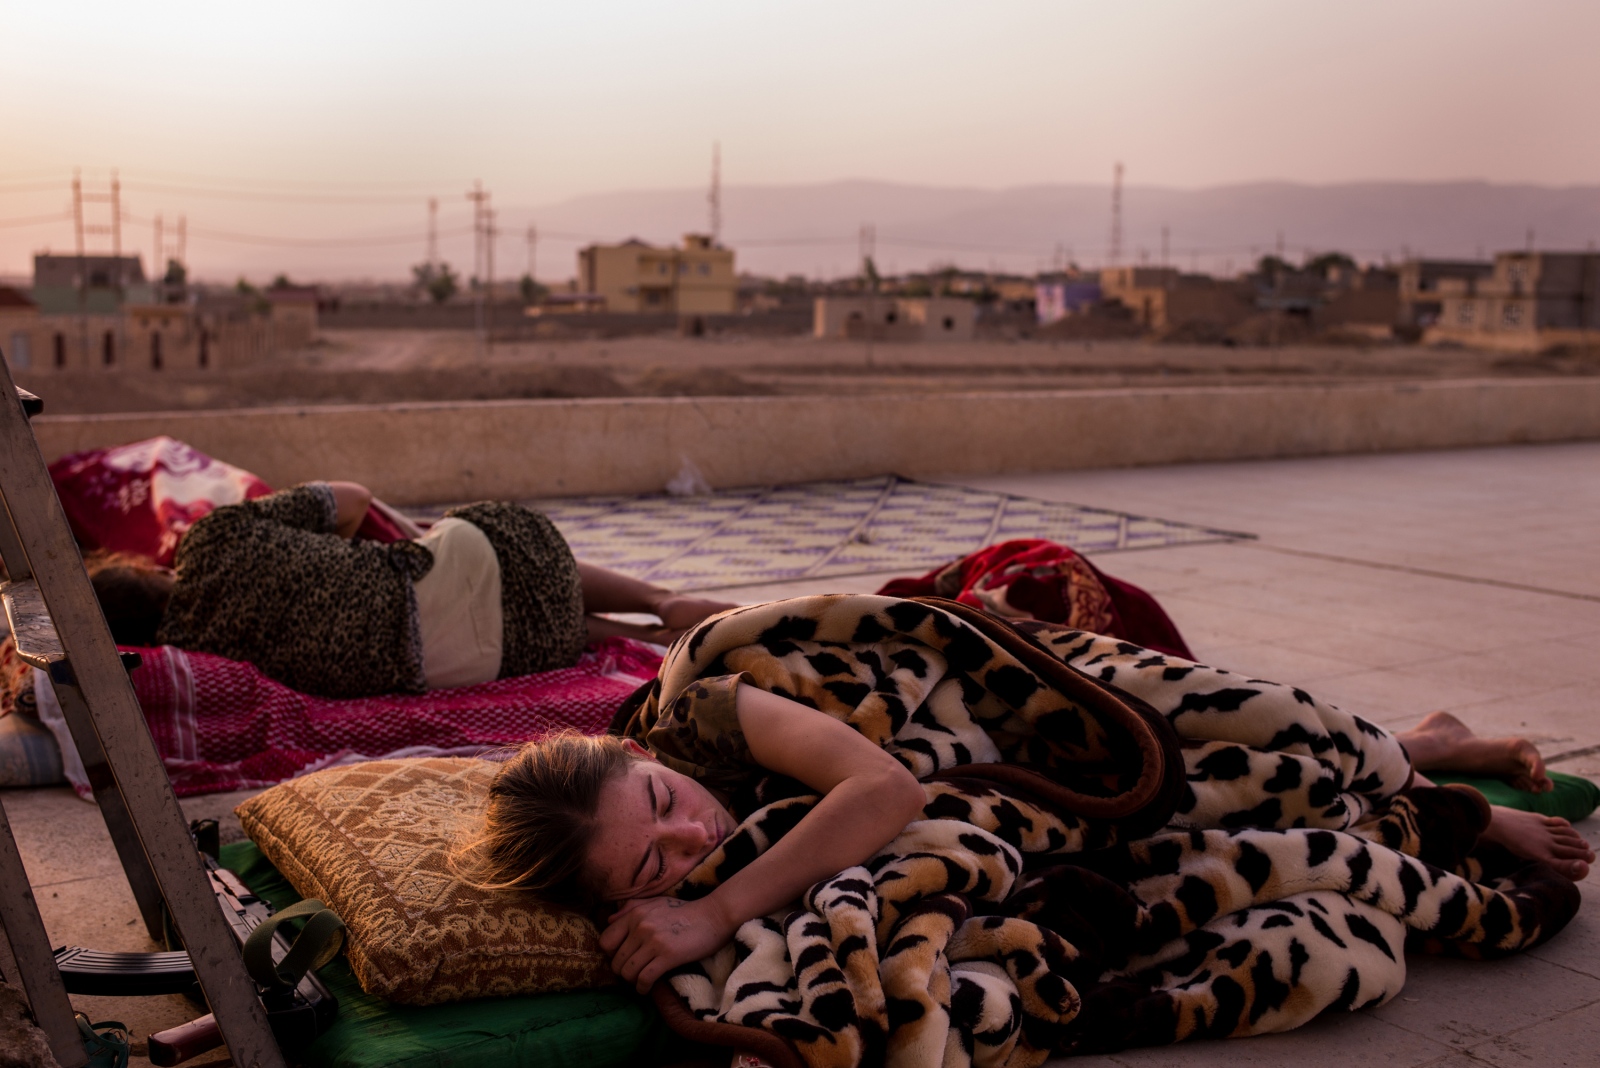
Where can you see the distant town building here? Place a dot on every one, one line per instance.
(66, 271)
(19, 327)
(1422, 285)
(1055, 300)
(1163, 299)
(99, 313)
(567, 304)
(293, 314)
(1360, 301)
(696, 279)
(1529, 302)
(889, 318)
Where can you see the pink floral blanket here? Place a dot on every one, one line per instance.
(141, 498)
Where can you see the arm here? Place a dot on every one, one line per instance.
(352, 501)
(609, 591)
(868, 798)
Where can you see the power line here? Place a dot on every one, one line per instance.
(271, 197)
(36, 220)
(29, 187)
(287, 184)
(302, 242)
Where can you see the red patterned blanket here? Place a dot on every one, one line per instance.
(1031, 578)
(222, 725)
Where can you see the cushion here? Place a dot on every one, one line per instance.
(573, 1029)
(371, 840)
(1573, 798)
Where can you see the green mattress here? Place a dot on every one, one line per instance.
(580, 1029)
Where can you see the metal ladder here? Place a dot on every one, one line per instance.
(59, 628)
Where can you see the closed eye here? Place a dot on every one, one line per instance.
(672, 799)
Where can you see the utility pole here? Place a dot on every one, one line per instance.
(433, 233)
(83, 265)
(869, 271)
(480, 205)
(489, 234)
(1115, 257)
(118, 280)
(533, 253)
(116, 225)
(156, 267)
(715, 196)
(183, 244)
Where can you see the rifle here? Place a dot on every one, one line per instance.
(299, 1007)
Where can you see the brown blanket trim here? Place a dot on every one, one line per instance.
(1151, 801)
(769, 1047)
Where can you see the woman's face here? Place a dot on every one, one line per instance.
(652, 827)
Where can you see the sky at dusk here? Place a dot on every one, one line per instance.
(308, 122)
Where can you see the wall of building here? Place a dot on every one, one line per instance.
(888, 318)
(528, 449)
(1532, 301)
(635, 277)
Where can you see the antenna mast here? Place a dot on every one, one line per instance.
(715, 196)
(1116, 217)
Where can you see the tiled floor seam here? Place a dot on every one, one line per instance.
(1537, 1023)
(1423, 572)
(1456, 1056)
(1534, 954)
(1458, 1050)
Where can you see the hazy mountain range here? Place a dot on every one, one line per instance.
(814, 229)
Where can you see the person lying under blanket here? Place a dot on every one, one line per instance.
(797, 761)
(490, 591)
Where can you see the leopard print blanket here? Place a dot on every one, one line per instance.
(1119, 847)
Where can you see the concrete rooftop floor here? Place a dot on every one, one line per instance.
(1391, 585)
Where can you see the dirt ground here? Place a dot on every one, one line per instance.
(391, 366)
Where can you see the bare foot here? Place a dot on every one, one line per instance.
(1550, 839)
(679, 613)
(1441, 742)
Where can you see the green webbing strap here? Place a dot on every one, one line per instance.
(106, 1042)
(315, 946)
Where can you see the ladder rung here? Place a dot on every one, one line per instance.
(31, 626)
(35, 632)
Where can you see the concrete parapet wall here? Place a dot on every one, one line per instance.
(429, 453)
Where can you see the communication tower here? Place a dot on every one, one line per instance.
(1115, 257)
(714, 198)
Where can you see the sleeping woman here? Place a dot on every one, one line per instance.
(623, 819)
(490, 591)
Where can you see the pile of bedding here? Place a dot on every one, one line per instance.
(1120, 847)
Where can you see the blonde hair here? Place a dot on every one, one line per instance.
(540, 819)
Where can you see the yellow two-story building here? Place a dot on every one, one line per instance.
(696, 279)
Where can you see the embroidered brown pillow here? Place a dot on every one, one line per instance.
(371, 840)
